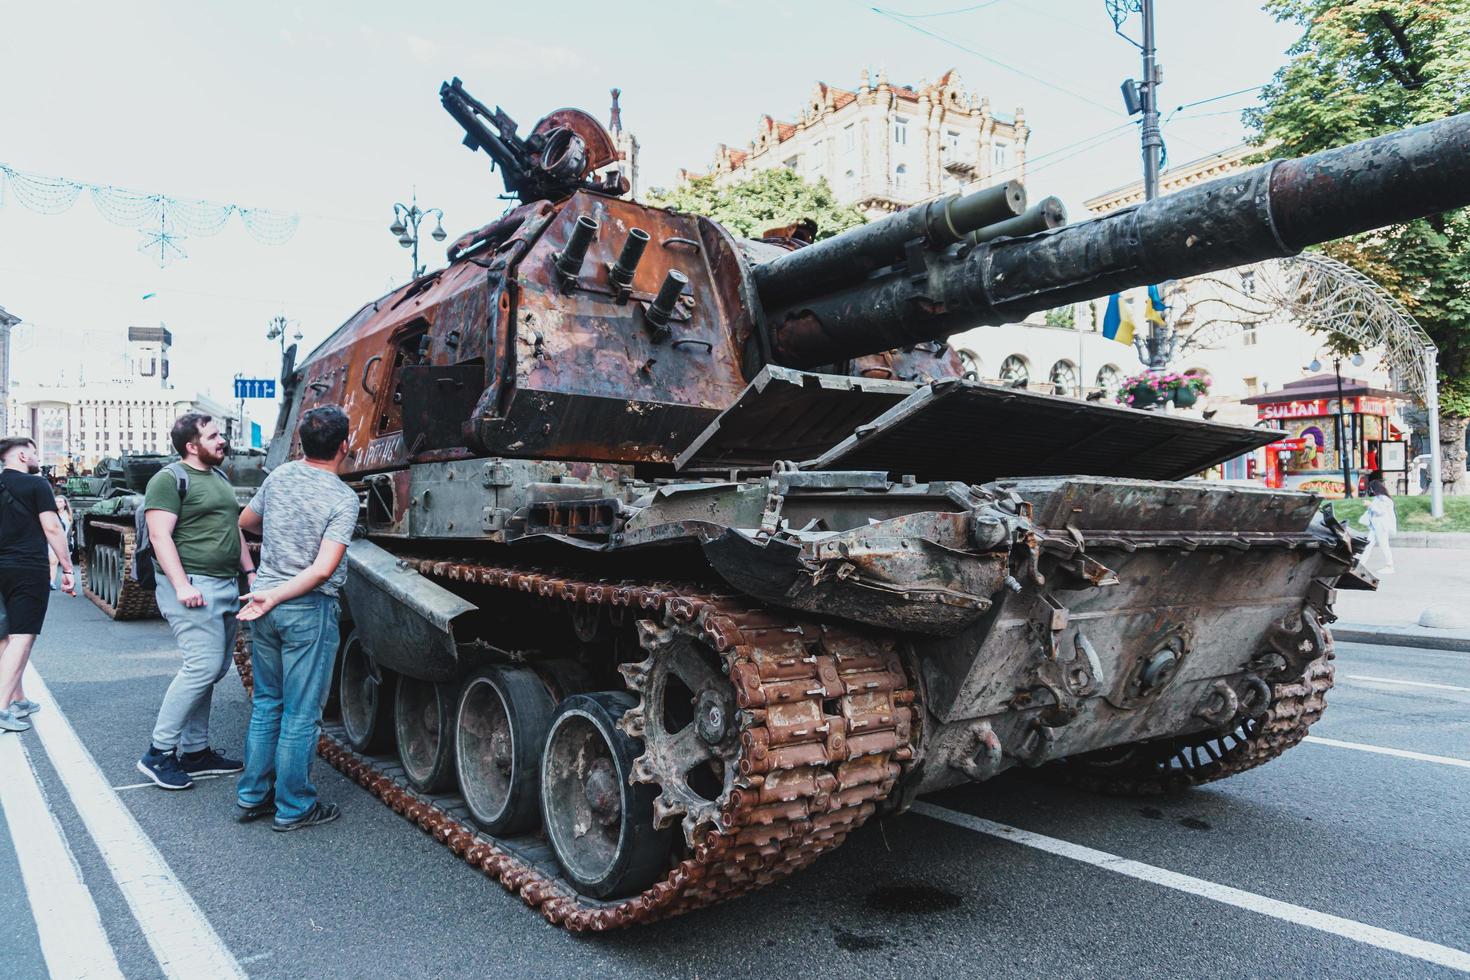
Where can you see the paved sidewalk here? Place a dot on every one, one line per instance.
(1431, 539)
(1423, 578)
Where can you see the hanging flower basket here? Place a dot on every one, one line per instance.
(1150, 388)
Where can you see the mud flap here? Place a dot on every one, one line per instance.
(404, 620)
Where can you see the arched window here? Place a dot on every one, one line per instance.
(971, 361)
(1015, 372)
(900, 175)
(1063, 378)
(1108, 377)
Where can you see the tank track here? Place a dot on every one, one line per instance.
(1153, 769)
(801, 788)
(134, 601)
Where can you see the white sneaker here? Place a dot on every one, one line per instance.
(10, 723)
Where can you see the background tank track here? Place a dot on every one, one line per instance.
(117, 595)
(801, 787)
(1170, 765)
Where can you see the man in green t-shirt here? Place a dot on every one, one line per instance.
(200, 554)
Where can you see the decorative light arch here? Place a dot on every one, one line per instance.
(1331, 296)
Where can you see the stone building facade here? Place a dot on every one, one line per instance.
(7, 320)
(883, 147)
(85, 422)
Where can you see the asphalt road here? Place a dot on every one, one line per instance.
(1379, 841)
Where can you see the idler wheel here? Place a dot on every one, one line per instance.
(599, 823)
(501, 725)
(423, 720)
(365, 693)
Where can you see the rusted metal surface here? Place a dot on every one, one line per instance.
(106, 579)
(825, 723)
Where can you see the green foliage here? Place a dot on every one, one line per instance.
(1366, 67)
(767, 199)
(1412, 512)
(1062, 316)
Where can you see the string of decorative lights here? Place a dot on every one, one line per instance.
(162, 220)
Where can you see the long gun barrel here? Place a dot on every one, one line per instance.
(1270, 211)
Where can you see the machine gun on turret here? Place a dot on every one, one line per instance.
(562, 154)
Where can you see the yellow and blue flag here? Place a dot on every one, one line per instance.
(1118, 321)
(1153, 309)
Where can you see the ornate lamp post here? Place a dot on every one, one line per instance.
(406, 219)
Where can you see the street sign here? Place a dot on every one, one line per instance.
(255, 387)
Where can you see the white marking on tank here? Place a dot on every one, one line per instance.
(1443, 760)
(1285, 911)
(73, 942)
(182, 940)
(1395, 680)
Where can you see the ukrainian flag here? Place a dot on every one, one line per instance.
(1118, 321)
(1155, 307)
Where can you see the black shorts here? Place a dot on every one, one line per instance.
(25, 593)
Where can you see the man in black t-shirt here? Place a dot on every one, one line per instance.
(28, 526)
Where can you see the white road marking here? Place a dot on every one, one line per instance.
(1395, 680)
(1299, 915)
(183, 941)
(67, 922)
(1443, 760)
(151, 785)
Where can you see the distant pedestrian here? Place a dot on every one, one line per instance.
(1381, 521)
(63, 514)
(200, 553)
(305, 515)
(29, 528)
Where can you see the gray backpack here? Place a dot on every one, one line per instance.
(143, 568)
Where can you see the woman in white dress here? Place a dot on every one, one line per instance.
(1381, 521)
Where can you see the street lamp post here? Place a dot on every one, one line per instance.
(1342, 436)
(405, 226)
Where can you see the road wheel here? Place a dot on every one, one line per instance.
(365, 693)
(423, 720)
(504, 715)
(599, 823)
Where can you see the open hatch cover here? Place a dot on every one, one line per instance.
(788, 414)
(975, 432)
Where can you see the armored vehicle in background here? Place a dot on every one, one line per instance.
(669, 581)
(105, 530)
(105, 538)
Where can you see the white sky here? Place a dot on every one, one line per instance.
(331, 110)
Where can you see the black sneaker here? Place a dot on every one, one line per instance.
(161, 767)
(208, 762)
(249, 814)
(319, 814)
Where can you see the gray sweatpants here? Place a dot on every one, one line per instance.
(206, 638)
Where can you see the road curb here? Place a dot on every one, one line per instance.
(1403, 636)
(1431, 539)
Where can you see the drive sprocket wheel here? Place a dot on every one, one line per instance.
(686, 717)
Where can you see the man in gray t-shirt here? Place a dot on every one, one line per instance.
(305, 516)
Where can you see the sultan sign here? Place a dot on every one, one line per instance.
(1316, 408)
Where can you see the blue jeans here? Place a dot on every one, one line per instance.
(294, 646)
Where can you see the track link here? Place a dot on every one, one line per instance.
(807, 776)
(1151, 769)
(134, 601)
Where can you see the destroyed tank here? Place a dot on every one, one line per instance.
(105, 529)
(667, 580)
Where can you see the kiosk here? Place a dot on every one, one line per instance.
(1310, 413)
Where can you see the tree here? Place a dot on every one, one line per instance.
(1366, 67)
(767, 199)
